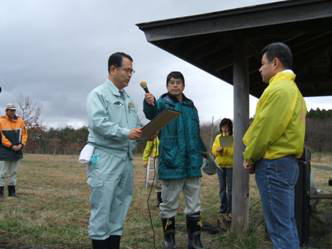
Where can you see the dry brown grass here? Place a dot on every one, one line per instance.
(52, 210)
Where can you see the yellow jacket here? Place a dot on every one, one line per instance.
(279, 125)
(224, 158)
(151, 149)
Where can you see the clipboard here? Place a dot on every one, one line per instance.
(226, 141)
(158, 122)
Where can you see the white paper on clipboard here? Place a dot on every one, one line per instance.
(158, 122)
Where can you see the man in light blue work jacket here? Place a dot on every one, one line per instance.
(113, 128)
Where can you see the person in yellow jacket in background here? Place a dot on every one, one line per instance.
(150, 157)
(222, 149)
(274, 141)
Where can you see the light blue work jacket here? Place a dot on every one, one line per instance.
(111, 115)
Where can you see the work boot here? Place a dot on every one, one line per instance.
(114, 242)
(11, 191)
(100, 244)
(2, 197)
(194, 231)
(159, 200)
(169, 233)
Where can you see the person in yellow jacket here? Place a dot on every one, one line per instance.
(150, 157)
(13, 136)
(274, 141)
(222, 150)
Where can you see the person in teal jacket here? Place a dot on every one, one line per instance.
(180, 159)
(113, 128)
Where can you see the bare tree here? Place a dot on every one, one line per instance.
(29, 111)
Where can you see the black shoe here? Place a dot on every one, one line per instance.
(2, 197)
(100, 244)
(11, 191)
(114, 242)
(169, 233)
(211, 229)
(194, 231)
(222, 210)
(159, 200)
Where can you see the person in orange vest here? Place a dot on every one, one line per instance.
(151, 156)
(13, 138)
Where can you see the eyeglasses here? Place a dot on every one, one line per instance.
(128, 70)
(175, 82)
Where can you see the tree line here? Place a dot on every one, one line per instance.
(69, 140)
(319, 130)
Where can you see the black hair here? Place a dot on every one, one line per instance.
(281, 51)
(116, 59)
(229, 123)
(175, 75)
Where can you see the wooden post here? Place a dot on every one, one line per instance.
(240, 202)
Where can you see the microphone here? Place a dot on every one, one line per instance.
(144, 85)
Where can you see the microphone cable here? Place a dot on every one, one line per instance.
(148, 203)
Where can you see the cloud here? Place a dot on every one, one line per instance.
(55, 52)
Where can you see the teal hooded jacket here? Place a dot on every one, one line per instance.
(181, 145)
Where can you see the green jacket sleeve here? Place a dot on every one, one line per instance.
(269, 124)
(99, 119)
(149, 110)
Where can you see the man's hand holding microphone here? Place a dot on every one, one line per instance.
(149, 98)
(136, 133)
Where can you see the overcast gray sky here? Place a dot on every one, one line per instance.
(56, 51)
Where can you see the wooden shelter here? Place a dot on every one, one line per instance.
(227, 44)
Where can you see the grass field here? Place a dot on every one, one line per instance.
(52, 211)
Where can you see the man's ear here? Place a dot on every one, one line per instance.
(112, 68)
(276, 62)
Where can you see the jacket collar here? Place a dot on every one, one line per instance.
(9, 119)
(115, 91)
(283, 75)
(174, 99)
